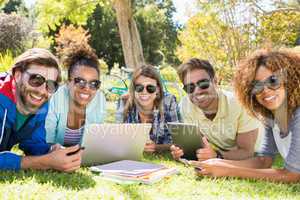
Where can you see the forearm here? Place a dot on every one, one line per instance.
(276, 175)
(162, 147)
(254, 162)
(35, 162)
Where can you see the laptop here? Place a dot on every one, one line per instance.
(106, 143)
(188, 137)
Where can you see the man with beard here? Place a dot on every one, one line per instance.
(229, 132)
(23, 107)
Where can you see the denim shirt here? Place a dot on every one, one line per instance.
(159, 133)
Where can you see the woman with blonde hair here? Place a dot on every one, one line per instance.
(268, 86)
(148, 103)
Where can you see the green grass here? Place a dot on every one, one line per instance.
(85, 185)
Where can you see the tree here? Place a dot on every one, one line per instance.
(14, 31)
(158, 31)
(105, 38)
(130, 38)
(52, 13)
(14, 6)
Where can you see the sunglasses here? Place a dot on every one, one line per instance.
(82, 83)
(203, 84)
(272, 82)
(37, 80)
(140, 88)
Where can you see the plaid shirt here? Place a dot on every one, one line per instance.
(159, 133)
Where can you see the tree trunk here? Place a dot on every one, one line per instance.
(130, 38)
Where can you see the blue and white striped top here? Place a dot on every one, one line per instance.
(73, 137)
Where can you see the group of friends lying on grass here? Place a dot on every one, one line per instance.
(47, 119)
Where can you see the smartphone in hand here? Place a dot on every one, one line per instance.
(74, 152)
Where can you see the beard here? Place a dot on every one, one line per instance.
(25, 100)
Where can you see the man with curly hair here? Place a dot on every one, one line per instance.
(23, 107)
(268, 86)
(229, 131)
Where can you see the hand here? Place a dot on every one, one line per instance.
(59, 160)
(176, 152)
(55, 147)
(213, 167)
(150, 147)
(207, 152)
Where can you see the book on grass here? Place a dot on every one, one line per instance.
(128, 171)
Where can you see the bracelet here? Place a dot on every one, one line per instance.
(219, 154)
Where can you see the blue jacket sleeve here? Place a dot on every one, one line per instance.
(9, 161)
(37, 144)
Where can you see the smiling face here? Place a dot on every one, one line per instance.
(271, 99)
(144, 98)
(30, 98)
(82, 96)
(203, 98)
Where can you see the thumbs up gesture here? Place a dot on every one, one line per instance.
(207, 152)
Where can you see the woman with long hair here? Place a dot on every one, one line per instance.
(78, 102)
(148, 103)
(268, 85)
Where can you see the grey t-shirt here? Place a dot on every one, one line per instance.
(288, 146)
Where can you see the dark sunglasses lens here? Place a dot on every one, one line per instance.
(36, 80)
(94, 85)
(258, 87)
(203, 84)
(151, 88)
(139, 88)
(51, 86)
(189, 88)
(273, 82)
(81, 83)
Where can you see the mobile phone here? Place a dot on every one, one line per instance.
(74, 152)
(198, 168)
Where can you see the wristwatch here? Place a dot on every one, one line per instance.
(219, 154)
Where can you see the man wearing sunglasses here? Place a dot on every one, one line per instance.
(23, 108)
(229, 132)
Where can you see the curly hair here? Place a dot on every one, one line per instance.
(79, 55)
(150, 72)
(284, 60)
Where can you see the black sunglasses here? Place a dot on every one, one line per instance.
(36, 80)
(140, 88)
(82, 83)
(272, 82)
(202, 84)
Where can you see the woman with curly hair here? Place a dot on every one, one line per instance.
(268, 85)
(78, 102)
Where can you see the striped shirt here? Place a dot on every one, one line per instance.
(73, 137)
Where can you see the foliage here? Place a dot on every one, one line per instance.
(15, 6)
(226, 31)
(100, 19)
(70, 35)
(14, 31)
(105, 39)
(280, 28)
(6, 61)
(205, 37)
(52, 14)
(157, 30)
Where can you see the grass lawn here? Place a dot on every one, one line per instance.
(85, 185)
